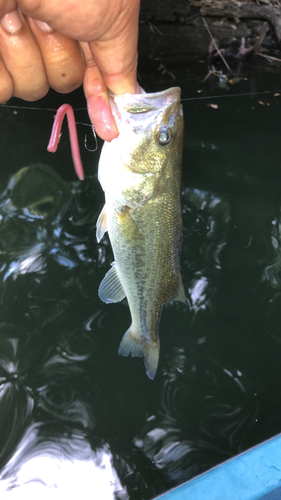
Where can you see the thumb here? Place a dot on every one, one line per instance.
(115, 53)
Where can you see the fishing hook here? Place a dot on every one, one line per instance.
(95, 136)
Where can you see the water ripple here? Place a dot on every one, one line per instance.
(64, 465)
(194, 431)
(206, 220)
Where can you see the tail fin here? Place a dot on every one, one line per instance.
(130, 344)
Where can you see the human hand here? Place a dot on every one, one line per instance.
(35, 56)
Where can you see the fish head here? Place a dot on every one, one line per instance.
(148, 147)
(150, 128)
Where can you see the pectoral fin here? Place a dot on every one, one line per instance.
(179, 293)
(101, 224)
(111, 289)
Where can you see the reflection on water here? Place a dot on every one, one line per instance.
(38, 360)
(272, 272)
(206, 221)
(66, 465)
(77, 418)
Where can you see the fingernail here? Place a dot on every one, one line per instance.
(43, 26)
(12, 22)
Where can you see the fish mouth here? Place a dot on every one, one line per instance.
(143, 103)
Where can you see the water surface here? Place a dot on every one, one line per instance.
(75, 416)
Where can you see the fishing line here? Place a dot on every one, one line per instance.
(42, 109)
(231, 95)
(183, 99)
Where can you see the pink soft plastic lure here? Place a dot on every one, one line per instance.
(56, 133)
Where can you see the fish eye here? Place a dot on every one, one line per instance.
(164, 135)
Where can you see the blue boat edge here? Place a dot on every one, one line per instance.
(254, 474)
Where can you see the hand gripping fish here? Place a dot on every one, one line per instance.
(140, 173)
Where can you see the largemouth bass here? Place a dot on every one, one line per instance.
(140, 173)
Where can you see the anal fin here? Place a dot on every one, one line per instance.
(179, 293)
(111, 289)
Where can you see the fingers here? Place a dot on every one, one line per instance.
(113, 24)
(22, 58)
(62, 57)
(34, 55)
(83, 20)
(34, 58)
(97, 98)
(111, 63)
(7, 6)
(6, 83)
(115, 52)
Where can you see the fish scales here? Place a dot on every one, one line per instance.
(143, 219)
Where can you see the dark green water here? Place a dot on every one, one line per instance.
(74, 415)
